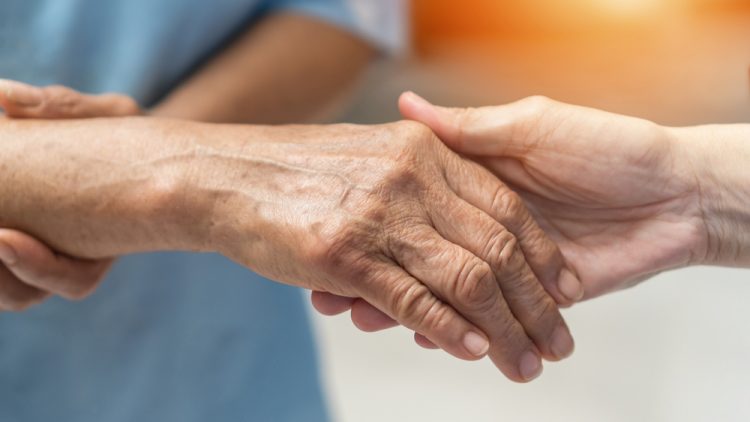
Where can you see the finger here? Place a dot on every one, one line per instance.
(364, 316)
(424, 342)
(36, 265)
(486, 131)
(330, 304)
(20, 100)
(477, 186)
(469, 285)
(408, 301)
(472, 229)
(15, 296)
(492, 131)
(369, 319)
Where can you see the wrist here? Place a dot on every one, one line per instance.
(719, 161)
(224, 190)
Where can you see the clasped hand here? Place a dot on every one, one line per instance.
(390, 222)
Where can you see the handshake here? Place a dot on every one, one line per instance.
(471, 227)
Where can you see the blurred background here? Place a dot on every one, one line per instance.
(673, 349)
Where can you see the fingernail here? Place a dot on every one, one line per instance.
(476, 344)
(530, 366)
(561, 343)
(21, 94)
(7, 255)
(570, 286)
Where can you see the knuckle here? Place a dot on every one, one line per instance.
(412, 136)
(542, 315)
(497, 244)
(506, 253)
(475, 286)
(411, 302)
(436, 318)
(339, 247)
(507, 204)
(415, 158)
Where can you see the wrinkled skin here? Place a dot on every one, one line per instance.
(432, 240)
(402, 220)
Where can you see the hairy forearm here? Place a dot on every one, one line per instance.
(720, 158)
(263, 77)
(96, 188)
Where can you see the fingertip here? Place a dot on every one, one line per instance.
(424, 342)
(562, 344)
(530, 367)
(476, 344)
(414, 107)
(329, 304)
(18, 94)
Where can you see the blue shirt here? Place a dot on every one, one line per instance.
(169, 336)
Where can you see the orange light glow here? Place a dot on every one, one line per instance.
(629, 8)
(435, 20)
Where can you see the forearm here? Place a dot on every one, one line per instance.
(96, 188)
(720, 158)
(263, 78)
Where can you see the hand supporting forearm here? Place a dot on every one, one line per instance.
(720, 158)
(96, 188)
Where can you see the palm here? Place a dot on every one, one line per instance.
(604, 188)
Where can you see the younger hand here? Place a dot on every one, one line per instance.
(612, 191)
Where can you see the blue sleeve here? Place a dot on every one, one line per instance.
(381, 22)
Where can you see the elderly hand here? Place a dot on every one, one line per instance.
(388, 213)
(30, 270)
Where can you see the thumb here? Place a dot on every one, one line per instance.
(447, 123)
(486, 131)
